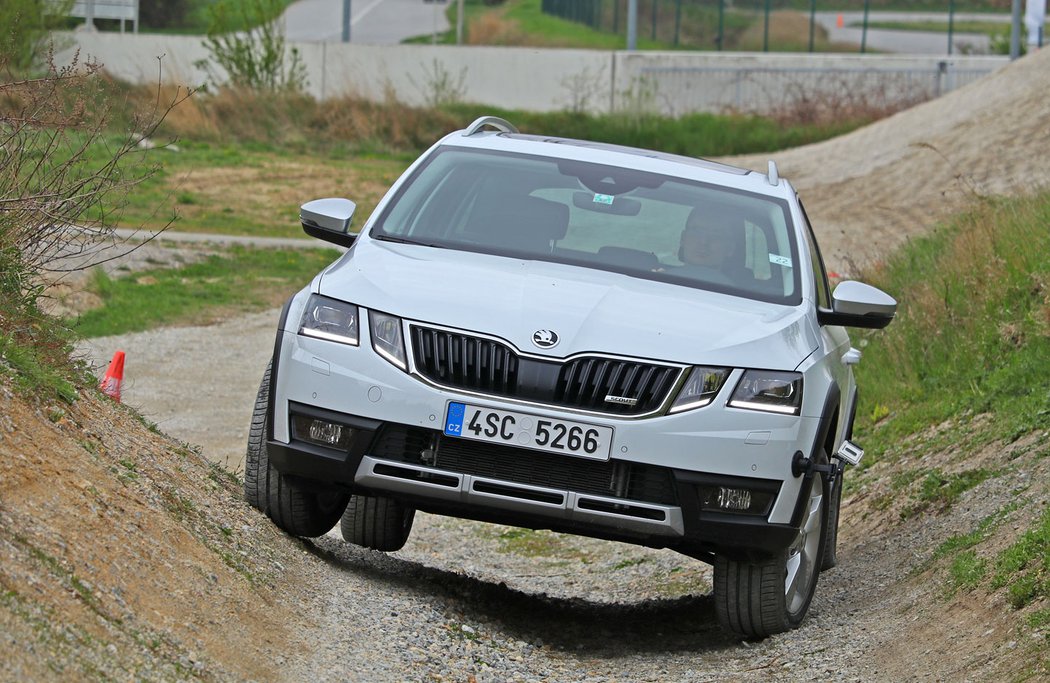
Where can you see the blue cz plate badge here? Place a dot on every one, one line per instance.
(528, 431)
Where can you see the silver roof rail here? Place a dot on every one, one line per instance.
(494, 121)
(772, 174)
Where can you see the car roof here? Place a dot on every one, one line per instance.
(664, 163)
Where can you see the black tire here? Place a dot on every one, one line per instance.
(377, 522)
(296, 509)
(756, 599)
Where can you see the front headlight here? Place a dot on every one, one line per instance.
(775, 392)
(388, 339)
(700, 388)
(330, 319)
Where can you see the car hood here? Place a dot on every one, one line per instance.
(590, 310)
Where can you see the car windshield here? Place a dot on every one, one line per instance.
(640, 224)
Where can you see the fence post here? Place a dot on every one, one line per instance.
(677, 20)
(1015, 31)
(765, 29)
(89, 20)
(721, 25)
(616, 16)
(632, 24)
(346, 21)
(812, 21)
(951, 23)
(655, 3)
(864, 31)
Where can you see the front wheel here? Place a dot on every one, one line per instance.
(293, 507)
(377, 522)
(758, 599)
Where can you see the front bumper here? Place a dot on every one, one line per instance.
(651, 491)
(617, 500)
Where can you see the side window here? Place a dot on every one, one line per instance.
(820, 284)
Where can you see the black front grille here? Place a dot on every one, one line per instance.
(608, 385)
(466, 362)
(612, 478)
(588, 382)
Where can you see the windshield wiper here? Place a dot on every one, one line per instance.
(405, 240)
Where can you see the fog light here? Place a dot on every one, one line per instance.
(326, 432)
(322, 432)
(733, 499)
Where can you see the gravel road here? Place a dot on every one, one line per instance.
(468, 599)
(472, 602)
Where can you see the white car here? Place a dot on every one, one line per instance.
(577, 336)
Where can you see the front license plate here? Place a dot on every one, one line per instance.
(528, 431)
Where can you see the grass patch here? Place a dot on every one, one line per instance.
(940, 491)
(530, 543)
(672, 26)
(966, 572)
(35, 355)
(1024, 567)
(246, 161)
(983, 530)
(972, 333)
(239, 281)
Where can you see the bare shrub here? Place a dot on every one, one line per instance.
(492, 29)
(64, 173)
(834, 100)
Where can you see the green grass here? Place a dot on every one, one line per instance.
(1024, 567)
(955, 544)
(972, 335)
(688, 26)
(966, 572)
(242, 280)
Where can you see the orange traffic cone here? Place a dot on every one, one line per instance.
(839, 22)
(110, 384)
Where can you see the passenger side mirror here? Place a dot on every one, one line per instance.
(855, 304)
(329, 220)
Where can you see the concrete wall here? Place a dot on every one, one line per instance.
(547, 80)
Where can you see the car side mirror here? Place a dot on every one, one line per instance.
(855, 304)
(329, 220)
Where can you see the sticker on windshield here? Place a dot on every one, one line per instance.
(780, 260)
(603, 199)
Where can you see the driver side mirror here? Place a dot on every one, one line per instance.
(329, 220)
(855, 304)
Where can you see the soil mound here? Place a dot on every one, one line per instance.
(868, 191)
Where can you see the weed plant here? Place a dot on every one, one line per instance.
(972, 334)
(349, 125)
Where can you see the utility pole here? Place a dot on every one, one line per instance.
(632, 24)
(346, 21)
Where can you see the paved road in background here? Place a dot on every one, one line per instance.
(908, 42)
(374, 22)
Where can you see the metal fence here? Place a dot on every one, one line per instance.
(952, 26)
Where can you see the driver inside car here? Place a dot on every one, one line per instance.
(708, 247)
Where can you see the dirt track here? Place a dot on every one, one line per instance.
(866, 192)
